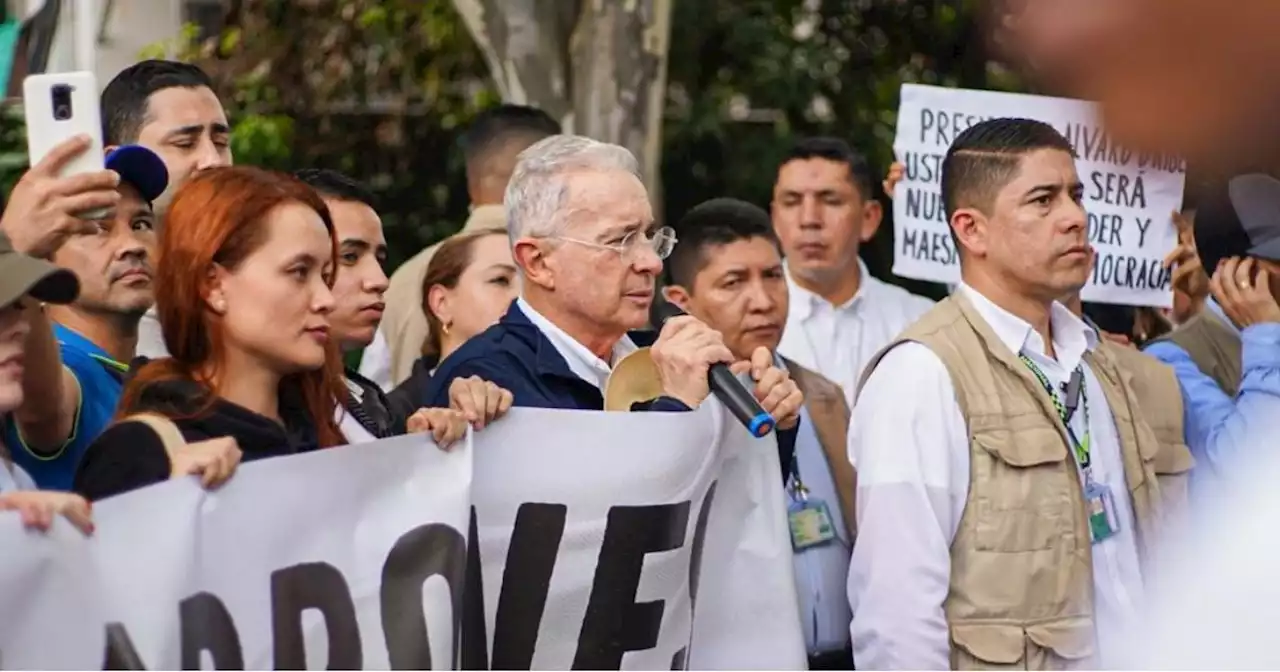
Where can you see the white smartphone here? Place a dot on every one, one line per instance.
(60, 106)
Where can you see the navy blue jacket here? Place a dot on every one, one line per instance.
(515, 355)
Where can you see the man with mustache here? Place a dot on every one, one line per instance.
(823, 211)
(1006, 485)
(77, 355)
(583, 235)
(726, 270)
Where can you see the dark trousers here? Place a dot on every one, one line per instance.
(834, 660)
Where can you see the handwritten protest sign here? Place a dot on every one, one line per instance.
(1130, 197)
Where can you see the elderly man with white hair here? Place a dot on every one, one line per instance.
(583, 235)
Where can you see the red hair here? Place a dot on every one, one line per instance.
(217, 218)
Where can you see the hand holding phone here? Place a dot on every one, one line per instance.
(44, 208)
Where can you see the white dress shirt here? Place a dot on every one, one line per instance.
(375, 362)
(820, 570)
(150, 338)
(582, 362)
(838, 341)
(910, 444)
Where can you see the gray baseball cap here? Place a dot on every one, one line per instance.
(1239, 217)
(21, 275)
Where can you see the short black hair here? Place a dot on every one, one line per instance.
(835, 149)
(985, 157)
(496, 126)
(124, 101)
(719, 221)
(335, 185)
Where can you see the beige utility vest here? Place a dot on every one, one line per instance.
(1021, 593)
(1160, 404)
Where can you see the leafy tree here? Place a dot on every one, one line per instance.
(380, 88)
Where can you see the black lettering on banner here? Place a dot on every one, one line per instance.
(1118, 190)
(1165, 162)
(206, 625)
(925, 204)
(475, 639)
(121, 654)
(526, 582)
(1092, 143)
(680, 661)
(316, 585)
(1105, 229)
(920, 167)
(1130, 272)
(945, 125)
(535, 542)
(419, 554)
(614, 623)
(1144, 223)
(929, 246)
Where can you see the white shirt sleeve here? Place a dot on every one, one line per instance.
(909, 442)
(375, 363)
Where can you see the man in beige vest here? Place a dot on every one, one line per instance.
(491, 145)
(1006, 490)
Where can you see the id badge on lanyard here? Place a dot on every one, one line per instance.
(809, 519)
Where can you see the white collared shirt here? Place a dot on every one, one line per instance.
(838, 341)
(150, 337)
(910, 444)
(582, 362)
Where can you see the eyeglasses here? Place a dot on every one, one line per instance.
(661, 242)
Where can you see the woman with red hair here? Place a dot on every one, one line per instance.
(243, 282)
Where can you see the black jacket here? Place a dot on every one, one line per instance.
(129, 455)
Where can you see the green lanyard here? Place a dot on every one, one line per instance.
(113, 367)
(1080, 448)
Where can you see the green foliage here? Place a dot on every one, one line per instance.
(380, 88)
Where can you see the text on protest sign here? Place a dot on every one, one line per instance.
(1129, 197)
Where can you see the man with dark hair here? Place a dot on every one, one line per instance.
(995, 442)
(367, 414)
(77, 354)
(171, 109)
(491, 145)
(823, 210)
(726, 270)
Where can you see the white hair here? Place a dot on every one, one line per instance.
(536, 201)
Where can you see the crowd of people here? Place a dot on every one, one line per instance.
(991, 476)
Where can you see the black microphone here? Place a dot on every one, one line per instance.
(726, 386)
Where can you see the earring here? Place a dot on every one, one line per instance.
(219, 306)
(444, 327)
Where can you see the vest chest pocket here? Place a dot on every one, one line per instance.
(1061, 644)
(1021, 491)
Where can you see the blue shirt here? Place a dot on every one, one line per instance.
(101, 381)
(821, 571)
(1220, 428)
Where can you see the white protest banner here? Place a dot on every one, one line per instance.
(346, 558)
(631, 541)
(1129, 197)
(596, 540)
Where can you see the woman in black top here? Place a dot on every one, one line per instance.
(243, 292)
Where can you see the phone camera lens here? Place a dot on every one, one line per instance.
(62, 102)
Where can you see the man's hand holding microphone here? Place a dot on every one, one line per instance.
(693, 361)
